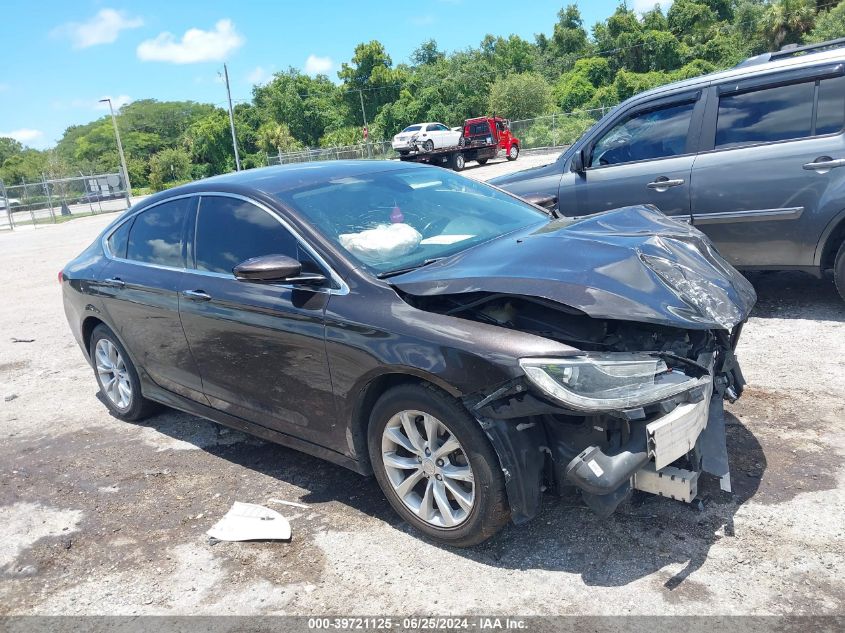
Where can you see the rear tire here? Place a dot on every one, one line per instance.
(482, 161)
(470, 469)
(839, 271)
(458, 162)
(428, 145)
(117, 378)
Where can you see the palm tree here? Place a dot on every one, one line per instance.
(277, 136)
(786, 21)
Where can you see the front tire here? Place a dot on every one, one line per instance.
(117, 377)
(436, 467)
(839, 271)
(513, 152)
(482, 161)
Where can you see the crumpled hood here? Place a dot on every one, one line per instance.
(631, 264)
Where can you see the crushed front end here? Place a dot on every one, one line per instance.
(612, 419)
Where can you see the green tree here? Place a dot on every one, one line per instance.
(277, 137)
(786, 21)
(522, 96)
(9, 147)
(369, 77)
(169, 166)
(427, 53)
(829, 24)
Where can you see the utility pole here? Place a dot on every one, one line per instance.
(232, 119)
(364, 115)
(120, 151)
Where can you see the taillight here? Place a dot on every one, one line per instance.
(466, 131)
(61, 276)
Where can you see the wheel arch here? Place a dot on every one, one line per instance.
(831, 239)
(370, 390)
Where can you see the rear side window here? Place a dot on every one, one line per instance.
(644, 136)
(119, 240)
(765, 116)
(831, 109)
(479, 128)
(231, 231)
(156, 234)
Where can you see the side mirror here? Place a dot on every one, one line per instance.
(578, 162)
(275, 268)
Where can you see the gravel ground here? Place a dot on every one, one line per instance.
(101, 516)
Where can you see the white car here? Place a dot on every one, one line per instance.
(426, 137)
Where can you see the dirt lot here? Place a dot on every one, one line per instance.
(100, 516)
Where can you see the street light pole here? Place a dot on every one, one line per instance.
(364, 116)
(120, 151)
(232, 119)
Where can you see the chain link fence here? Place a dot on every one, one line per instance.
(57, 200)
(546, 132)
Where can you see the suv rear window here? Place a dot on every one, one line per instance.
(831, 110)
(765, 116)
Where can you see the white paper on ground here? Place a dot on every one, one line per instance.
(250, 522)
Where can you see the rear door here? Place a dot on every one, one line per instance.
(774, 153)
(260, 346)
(139, 286)
(643, 156)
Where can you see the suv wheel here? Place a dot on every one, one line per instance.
(839, 271)
(436, 467)
(117, 378)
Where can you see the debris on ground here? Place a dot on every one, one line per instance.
(10, 397)
(22, 340)
(251, 522)
(290, 503)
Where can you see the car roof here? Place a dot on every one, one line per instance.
(271, 180)
(748, 68)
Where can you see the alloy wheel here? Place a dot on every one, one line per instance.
(113, 374)
(428, 468)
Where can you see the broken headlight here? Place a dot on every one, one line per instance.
(613, 380)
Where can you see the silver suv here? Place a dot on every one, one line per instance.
(752, 156)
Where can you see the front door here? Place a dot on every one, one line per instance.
(260, 346)
(763, 191)
(644, 157)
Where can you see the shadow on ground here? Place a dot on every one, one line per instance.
(795, 295)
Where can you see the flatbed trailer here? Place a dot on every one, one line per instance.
(455, 157)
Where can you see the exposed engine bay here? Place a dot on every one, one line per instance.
(545, 442)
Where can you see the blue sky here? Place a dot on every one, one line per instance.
(60, 58)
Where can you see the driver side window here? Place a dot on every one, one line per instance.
(645, 135)
(230, 231)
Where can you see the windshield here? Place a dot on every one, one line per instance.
(400, 219)
(412, 128)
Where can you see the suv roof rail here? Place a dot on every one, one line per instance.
(790, 50)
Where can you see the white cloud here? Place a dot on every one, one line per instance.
(195, 46)
(116, 102)
(316, 65)
(103, 28)
(642, 6)
(23, 135)
(259, 75)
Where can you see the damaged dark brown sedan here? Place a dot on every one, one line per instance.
(456, 342)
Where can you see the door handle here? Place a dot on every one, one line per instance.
(824, 163)
(663, 183)
(196, 295)
(114, 282)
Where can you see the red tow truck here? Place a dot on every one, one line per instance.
(483, 138)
